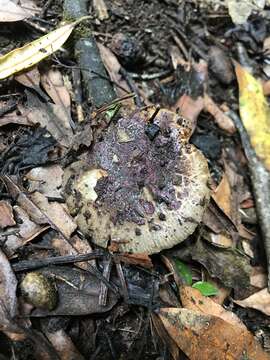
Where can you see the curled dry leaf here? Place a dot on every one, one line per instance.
(6, 215)
(10, 12)
(208, 337)
(255, 113)
(193, 300)
(259, 301)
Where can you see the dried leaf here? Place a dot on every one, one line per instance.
(47, 180)
(258, 277)
(32, 53)
(13, 118)
(113, 67)
(259, 301)
(208, 337)
(101, 9)
(222, 120)
(6, 215)
(164, 336)
(75, 245)
(55, 213)
(222, 196)
(193, 300)
(31, 6)
(240, 10)
(40, 210)
(10, 12)
(53, 83)
(54, 117)
(220, 240)
(26, 231)
(31, 79)
(255, 113)
(63, 345)
(8, 286)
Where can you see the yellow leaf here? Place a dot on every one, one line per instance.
(255, 113)
(32, 53)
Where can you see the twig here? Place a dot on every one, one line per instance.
(102, 300)
(132, 86)
(57, 260)
(122, 280)
(150, 76)
(260, 178)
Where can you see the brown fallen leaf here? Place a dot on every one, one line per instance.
(259, 301)
(63, 345)
(207, 337)
(8, 300)
(75, 245)
(193, 300)
(38, 208)
(26, 231)
(10, 12)
(13, 118)
(31, 79)
(6, 215)
(53, 117)
(30, 6)
(164, 336)
(140, 259)
(222, 195)
(189, 108)
(221, 240)
(101, 9)
(47, 180)
(258, 277)
(222, 120)
(55, 213)
(52, 81)
(113, 67)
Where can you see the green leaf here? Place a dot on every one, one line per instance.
(112, 111)
(205, 288)
(184, 271)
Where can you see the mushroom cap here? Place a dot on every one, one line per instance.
(142, 186)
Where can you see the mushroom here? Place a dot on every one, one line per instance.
(142, 185)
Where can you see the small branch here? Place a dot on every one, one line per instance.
(25, 265)
(260, 178)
